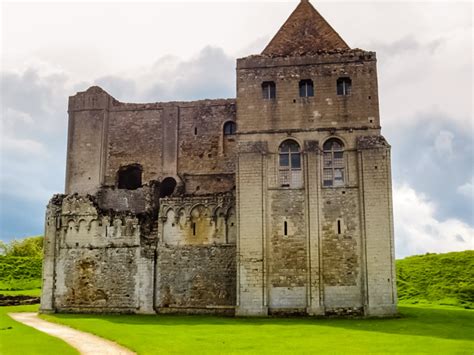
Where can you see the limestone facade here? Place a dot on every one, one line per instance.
(276, 202)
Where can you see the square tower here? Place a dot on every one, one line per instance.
(314, 201)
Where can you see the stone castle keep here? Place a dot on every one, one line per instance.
(276, 202)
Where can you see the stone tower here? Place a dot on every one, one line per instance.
(277, 202)
(315, 230)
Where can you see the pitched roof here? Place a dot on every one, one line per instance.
(305, 32)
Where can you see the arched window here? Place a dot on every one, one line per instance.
(306, 88)
(333, 170)
(268, 90)
(229, 128)
(344, 86)
(129, 177)
(290, 164)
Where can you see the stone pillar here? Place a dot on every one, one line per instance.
(52, 221)
(380, 279)
(312, 181)
(251, 300)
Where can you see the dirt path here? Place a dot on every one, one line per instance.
(86, 343)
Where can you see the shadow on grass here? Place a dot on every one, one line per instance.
(455, 324)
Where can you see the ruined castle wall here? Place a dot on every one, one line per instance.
(174, 139)
(325, 109)
(101, 263)
(134, 136)
(196, 263)
(201, 138)
(86, 145)
(195, 277)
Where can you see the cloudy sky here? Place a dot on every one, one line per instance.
(146, 52)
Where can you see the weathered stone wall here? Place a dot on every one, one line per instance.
(326, 109)
(164, 139)
(134, 137)
(287, 254)
(96, 260)
(86, 132)
(197, 220)
(195, 277)
(341, 249)
(201, 138)
(377, 222)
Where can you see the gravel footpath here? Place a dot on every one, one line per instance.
(85, 343)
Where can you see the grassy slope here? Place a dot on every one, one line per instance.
(16, 338)
(420, 329)
(437, 278)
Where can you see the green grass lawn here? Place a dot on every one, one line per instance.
(420, 329)
(16, 338)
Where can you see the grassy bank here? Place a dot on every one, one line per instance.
(437, 278)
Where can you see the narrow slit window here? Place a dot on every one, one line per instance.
(306, 88)
(344, 86)
(195, 131)
(285, 228)
(194, 228)
(268, 90)
(338, 226)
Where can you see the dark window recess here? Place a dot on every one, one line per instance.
(338, 226)
(130, 177)
(306, 88)
(285, 228)
(195, 131)
(344, 86)
(167, 187)
(230, 128)
(194, 228)
(268, 90)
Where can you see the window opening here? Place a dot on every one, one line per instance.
(195, 131)
(290, 164)
(129, 177)
(229, 128)
(306, 88)
(268, 90)
(338, 226)
(333, 161)
(285, 228)
(194, 228)
(344, 86)
(167, 187)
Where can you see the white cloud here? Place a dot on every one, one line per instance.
(22, 146)
(467, 189)
(418, 231)
(444, 143)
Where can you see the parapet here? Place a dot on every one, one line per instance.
(318, 57)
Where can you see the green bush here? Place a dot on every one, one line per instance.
(31, 246)
(21, 263)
